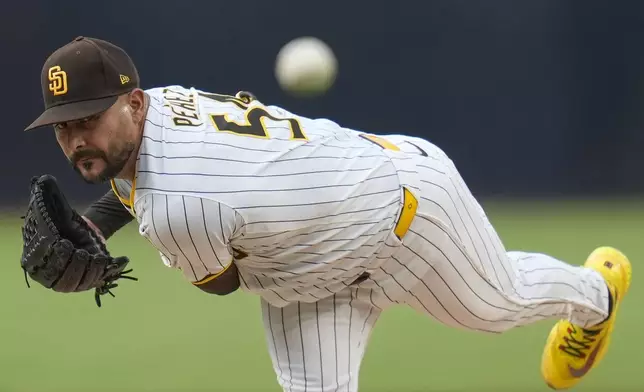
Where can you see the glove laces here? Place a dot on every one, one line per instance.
(107, 287)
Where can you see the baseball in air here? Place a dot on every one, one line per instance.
(306, 66)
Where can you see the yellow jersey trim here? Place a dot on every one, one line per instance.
(387, 145)
(212, 276)
(129, 203)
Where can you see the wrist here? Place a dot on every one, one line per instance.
(95, 228)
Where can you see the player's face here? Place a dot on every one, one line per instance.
(100, 146)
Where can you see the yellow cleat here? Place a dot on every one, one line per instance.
(571, 351)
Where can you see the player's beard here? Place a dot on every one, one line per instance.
(115, 160)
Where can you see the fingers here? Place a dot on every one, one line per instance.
(116, 266)
(94, 274)
(74, 273)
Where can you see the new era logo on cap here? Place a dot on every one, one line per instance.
(84, 78)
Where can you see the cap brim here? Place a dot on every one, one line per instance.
(72, 111)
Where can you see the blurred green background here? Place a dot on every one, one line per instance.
(161, 334)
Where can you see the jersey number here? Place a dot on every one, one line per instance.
(254, 119)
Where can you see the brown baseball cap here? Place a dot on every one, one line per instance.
(84, 78)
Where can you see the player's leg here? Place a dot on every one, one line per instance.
(318, 347)
(475, 284)
(543, 288)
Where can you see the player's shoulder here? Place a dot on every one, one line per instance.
(179, 89)
(164, 91)
(186, 106)
(186, 96)
(157, 90)
(240, 99)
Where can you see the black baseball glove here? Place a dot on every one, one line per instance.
(60, 250)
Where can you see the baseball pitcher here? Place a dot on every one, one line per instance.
(328, 225)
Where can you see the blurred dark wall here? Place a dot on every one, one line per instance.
(537, 97)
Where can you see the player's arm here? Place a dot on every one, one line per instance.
(107, 215)
(195, 234)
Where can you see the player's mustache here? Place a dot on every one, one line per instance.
(78, 155)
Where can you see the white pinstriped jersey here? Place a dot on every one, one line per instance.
(303, 206)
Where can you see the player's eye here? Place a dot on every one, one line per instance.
(86, 120)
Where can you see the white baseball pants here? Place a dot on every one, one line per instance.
(472, 283)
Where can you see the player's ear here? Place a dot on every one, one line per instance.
(137, 104)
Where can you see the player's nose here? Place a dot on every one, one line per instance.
(76, 139)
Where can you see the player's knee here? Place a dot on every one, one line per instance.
(488, 321)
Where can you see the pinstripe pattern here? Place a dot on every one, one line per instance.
(177, 227)
(450, 266)
(312, 216)
(319, 347)
(453, 266)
